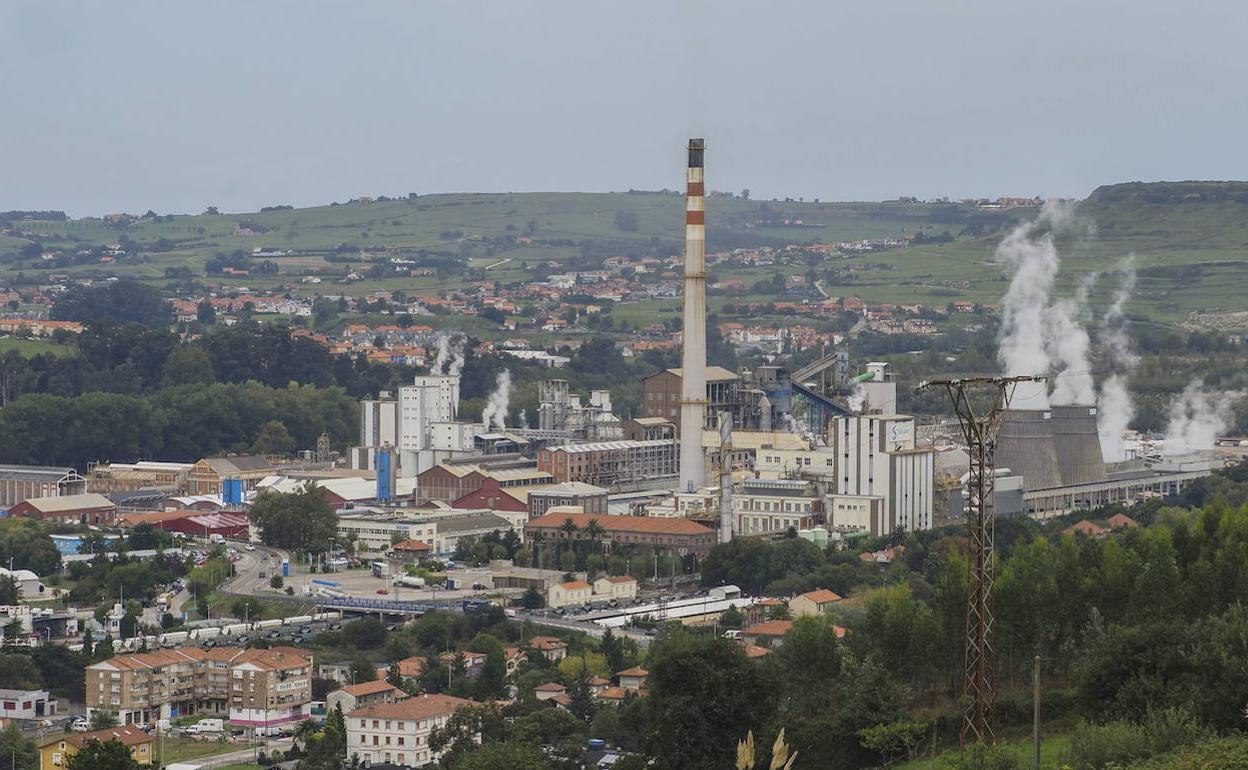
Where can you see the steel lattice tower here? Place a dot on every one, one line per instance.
(979, 428)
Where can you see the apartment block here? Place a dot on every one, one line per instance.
(257, 688)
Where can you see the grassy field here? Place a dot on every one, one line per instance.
(1051, 750)
(33, 347)
(187, 749)
(1189, 246)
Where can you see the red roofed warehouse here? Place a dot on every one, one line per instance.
(68, 509)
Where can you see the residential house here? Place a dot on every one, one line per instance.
(813, 603)
(552, 648)
(398, 733)
(769, 633)
(618, 587)
(549, 690)
(575, 592)
(633, 679)
(362, 695)
(55, 754)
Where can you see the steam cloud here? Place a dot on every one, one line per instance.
(1115, 408)
(450, 359)
(1197, 417)
(523, 419)
(494, 415)
(857, 398)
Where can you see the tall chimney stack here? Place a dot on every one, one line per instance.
(693, 355)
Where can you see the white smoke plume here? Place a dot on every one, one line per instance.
(450, 359)
(1114, 412)
(857, 398)
(1115, 408)
(444, 353)
(1023, 341)
(1197, 417)
(1066, 336)
(523, 419)
(494, 415)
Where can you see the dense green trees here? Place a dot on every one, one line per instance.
(183, 423)
(26, 542)
(302, 520)
(705, 694)
(118, 301)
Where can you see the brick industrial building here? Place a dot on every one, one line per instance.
(610, 463)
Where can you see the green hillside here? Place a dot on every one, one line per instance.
(1189, 239)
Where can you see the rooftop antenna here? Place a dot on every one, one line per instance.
(980, 427)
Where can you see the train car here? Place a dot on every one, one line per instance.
(269, 623)
(172, 638)
(297, 620)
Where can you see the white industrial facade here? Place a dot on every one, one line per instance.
(431, 399)
(877, 458)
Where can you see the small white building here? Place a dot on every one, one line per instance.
(618, 587)
(29, 586)
(568, 594)
(27, 704)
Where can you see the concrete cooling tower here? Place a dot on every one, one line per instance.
(1049, 448)
(1078, 445)
(1026, 446)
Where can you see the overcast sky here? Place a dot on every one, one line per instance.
(175, 106)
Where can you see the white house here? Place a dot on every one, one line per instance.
(399, 732)
(618, 587)
(568, 594)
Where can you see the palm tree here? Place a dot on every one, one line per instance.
(595, 532)
(303, 731)
(569, 529)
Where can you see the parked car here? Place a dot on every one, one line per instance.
(251, 547)
(80, 725)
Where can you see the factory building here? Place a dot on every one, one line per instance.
(611, 463)
(21, 482)
(562, 412)
(774, 506)
(661, 396)
(876, 457)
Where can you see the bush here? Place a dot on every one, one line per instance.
(1095, 747)
(981, 757)
(276, 581)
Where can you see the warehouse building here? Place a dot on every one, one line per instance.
(22, 482)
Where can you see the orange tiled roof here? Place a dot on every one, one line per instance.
(368, 688)
(769, 628)
(419, 707)
(822, 596)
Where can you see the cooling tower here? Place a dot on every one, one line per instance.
(1078, 445)
(1026, 446)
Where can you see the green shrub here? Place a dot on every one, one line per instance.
(982, 757)
(1095, 747)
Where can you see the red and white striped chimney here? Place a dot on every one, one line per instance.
(693, 355)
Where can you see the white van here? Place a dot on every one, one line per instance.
(205, 726)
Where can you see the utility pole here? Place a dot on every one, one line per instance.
(1035, 711)
(980, 425)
